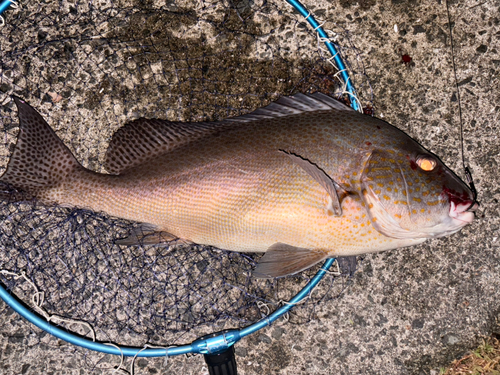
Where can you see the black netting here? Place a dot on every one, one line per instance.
(88, 68)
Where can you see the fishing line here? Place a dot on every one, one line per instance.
(468, 174)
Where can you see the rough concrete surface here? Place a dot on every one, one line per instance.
(407, 311)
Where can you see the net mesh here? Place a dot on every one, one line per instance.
(88, 68)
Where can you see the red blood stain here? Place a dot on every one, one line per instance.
(378, 127)
(457, 197)
(413, 165)
(368, 143)
(345, 100)
(368, 110)
(406, 59)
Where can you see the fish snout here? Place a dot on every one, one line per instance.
(463, 209)
(461, 198)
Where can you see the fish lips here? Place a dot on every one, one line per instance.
(462, 200)
(463, 210)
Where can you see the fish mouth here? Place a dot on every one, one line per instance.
(463, 211)
(462, 202)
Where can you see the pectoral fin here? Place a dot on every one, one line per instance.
(282, 260)
(333, 189)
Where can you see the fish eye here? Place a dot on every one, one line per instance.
(426, 163)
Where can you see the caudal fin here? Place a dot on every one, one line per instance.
(40, 160)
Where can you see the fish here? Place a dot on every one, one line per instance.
(301, 180)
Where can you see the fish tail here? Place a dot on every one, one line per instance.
(40, 160)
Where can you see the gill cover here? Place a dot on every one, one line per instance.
(402, 199)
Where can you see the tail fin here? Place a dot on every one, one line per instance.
(40, 160)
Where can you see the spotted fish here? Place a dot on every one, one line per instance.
(303, 179)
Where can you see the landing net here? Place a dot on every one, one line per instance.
(89, 68)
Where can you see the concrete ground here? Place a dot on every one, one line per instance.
(406, 311)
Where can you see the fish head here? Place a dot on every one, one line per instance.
(412, 194)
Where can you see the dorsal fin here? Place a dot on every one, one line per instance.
(144, 139)
(293, 105)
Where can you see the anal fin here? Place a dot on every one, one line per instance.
(147, 235)
(282, 260)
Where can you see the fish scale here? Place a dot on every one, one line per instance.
(303, 179)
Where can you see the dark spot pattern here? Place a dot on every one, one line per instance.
(145, 139)
(40, 160)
